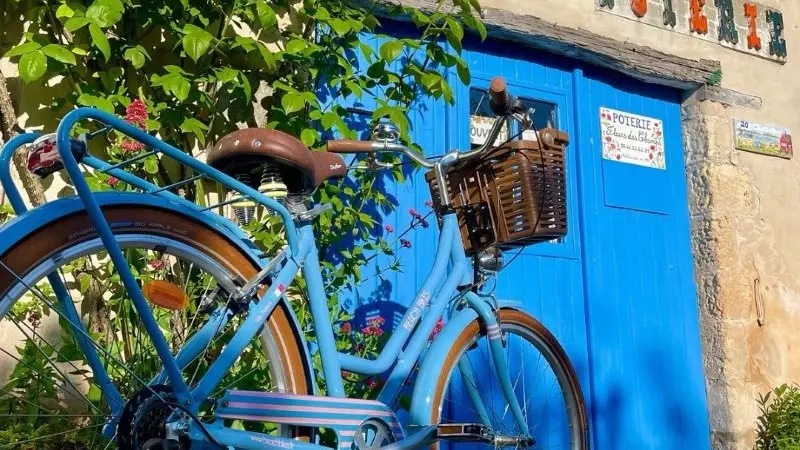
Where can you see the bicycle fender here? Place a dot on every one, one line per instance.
(433, 363)
(19, 227)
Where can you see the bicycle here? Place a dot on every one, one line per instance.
(241, 296)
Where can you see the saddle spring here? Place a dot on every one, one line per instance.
(270, 183)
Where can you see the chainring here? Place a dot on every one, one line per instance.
(372, 434)
(145, 417)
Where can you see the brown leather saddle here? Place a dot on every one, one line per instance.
(302, 170)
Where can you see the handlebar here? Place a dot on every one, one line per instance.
(502, 103)
(498, 91)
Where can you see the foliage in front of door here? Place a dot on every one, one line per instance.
(778, 426)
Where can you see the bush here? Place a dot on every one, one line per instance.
(779, 423)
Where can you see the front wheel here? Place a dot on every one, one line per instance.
(543, 379)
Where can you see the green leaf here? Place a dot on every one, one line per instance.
(391, 50)
(151, 165)
(32, 66)
(308, 136)
(226, 74)
(76, 23)
(340, 26)
(455, 27)
(85, 281)
(173, 83)
(192, 125)
(398, 118)
(105, 13)
(419, 18)
(135, 57)
(292, 101)
(475, 24)
(79, 51)
(23, 49)
(196, 41)
(453, 40)
(268, 57)
(100, 41)
(59, 53)
(463, 71)
(175, 69)
(296, 46)
(95, 394)
(266, 15)
(64, 11)
(476, 4)
(96, 102)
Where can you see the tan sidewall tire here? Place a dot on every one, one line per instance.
(508, 316)
(74, 229)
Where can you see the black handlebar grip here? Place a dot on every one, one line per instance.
(498, 91)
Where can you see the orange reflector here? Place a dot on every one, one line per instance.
(165, 295)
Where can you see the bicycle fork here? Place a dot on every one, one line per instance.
(496, 348)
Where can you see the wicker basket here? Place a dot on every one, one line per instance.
(514, 196)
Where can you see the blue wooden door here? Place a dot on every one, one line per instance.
(618, 291)
(642, 319)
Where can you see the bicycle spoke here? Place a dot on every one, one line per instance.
(68, 391)
(49, 436)
(75, 394)
(79, 329)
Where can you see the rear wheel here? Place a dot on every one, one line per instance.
(49, 398)
(543, 379)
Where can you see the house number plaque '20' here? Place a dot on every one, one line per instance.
(741, 25)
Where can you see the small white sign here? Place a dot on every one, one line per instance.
(632, 139)
(479, 128)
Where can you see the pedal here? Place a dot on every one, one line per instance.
(465, 432)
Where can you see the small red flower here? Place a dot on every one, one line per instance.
(651, 156)
(346, 327)
(658, 133)
(136, 113)
(652, 147)
(414, 213)
(618, 157)
(405, 243)
(112, 181)
(157, 264)
(437, 329)
(378, 320)
(429, 203)
(608, 138)
(131, 146)
(389, 229)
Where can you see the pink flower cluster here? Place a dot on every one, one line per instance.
(112, 181)
(157, 264)
(346, 327)
(135, 114)
(373, 327)
(415, 215)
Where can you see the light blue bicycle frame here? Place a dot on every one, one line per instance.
(448, 279)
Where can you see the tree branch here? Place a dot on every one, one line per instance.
(8, 119)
